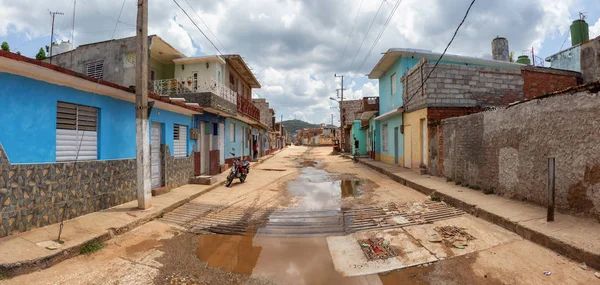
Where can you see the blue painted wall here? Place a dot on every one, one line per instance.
(168, 121)
(240, 138)
(28, 120)
(392, 122)
(387, 100)
(361, 136)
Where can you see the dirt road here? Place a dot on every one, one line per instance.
(297, 220)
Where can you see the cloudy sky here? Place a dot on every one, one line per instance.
(295, 47)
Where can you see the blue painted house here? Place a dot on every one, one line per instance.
(68, 141)
(388, 125)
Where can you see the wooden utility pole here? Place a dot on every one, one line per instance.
(141, 108)
(53, 14)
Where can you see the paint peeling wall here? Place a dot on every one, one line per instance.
(507, 150)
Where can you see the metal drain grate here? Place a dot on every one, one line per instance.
(376, 248)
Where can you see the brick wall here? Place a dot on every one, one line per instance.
(435, 115)
(539, 81)
(507, 150)
(452, 85)
(351, 110)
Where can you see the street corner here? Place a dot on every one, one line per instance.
(375, 252)
(459, 236)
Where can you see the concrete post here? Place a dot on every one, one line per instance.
(141, 108)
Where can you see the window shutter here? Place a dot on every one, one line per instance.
(95, 69)
(179, 140)
(76, 132)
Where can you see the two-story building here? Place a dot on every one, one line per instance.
(414, 104)
(219, 84)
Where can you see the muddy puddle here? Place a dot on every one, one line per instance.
(291, 247)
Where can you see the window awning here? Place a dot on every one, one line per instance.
(390, 113)
(365, 117)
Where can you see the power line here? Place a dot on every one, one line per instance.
(380, 34)
(118, 18)
(366, 34)
(183, 10)
(438, 61)
(105, 15)
(222, 45)
(351, 30)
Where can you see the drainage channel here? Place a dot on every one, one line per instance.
(316, 211)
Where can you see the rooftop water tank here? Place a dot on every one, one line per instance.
(500, 49)
(524, 59)
(579, 32)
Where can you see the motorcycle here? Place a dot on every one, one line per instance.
(240, 169)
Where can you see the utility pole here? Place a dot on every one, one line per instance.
(341, 114)
(53, 14)
(332, 119)
(141, 107)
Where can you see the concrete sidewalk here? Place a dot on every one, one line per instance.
(26, 252)
(576, 238)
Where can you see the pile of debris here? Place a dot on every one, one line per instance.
(376, 248)
(451, 236)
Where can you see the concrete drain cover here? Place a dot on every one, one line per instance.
(376, 248)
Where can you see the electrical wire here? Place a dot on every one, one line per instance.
(106, 16)
(211, 32)
(118, 18)
(351, 30)
(183, 10)
(379, 35)
(446, 49)
(366, 34)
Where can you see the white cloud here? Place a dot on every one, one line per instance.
(295, 47)
(595, 30)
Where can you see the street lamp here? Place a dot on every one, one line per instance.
(333, 99)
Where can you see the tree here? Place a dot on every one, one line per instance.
(19, 53)
(41, 55)
(511, 56)
(5, 46)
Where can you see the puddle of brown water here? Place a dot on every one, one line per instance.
(286, 260)
(350, 188)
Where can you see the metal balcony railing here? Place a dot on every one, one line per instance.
(174, 86)
(247, 107)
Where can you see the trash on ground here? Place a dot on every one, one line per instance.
(597, 275)
(376, 248)
(454, 236)
(547, 273)
(583, 266)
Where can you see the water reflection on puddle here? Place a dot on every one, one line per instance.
(291, 259)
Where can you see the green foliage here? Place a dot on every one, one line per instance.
(5, 46)
(47, 49)
(293, 125)
(434, 197)
(511, 56)
(19, 53)
(91, 247)
(41, 55)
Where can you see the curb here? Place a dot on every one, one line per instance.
(23, 267)
(577, 254)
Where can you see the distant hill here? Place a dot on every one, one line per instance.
(294, 125)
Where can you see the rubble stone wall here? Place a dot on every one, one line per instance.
(506, 151)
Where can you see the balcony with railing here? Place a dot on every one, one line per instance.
(207, 92)
(246, 107)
